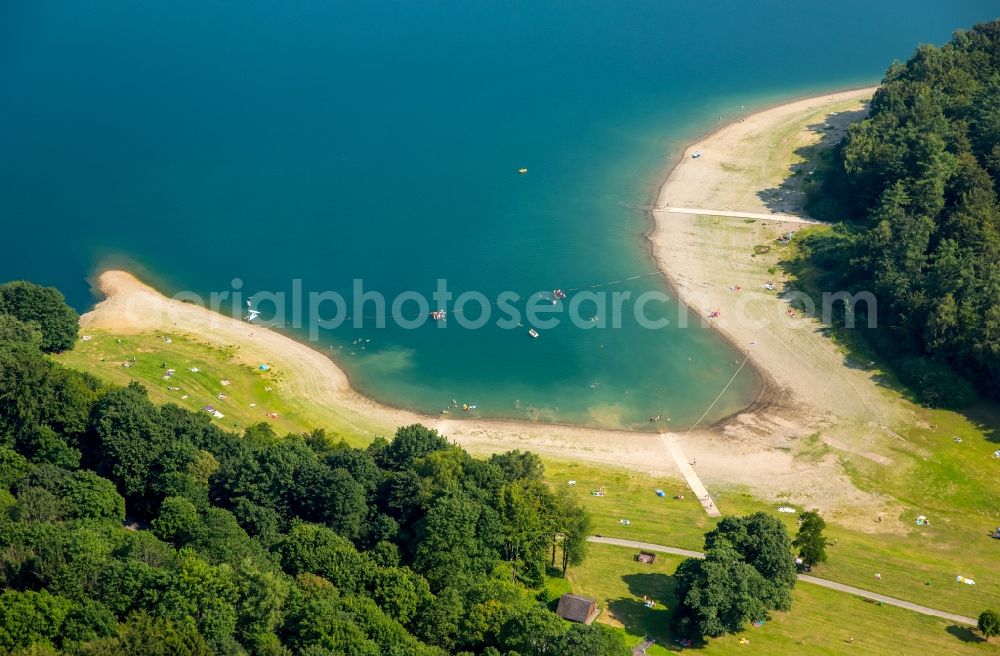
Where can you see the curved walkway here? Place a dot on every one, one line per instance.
(891, 601)
(784, 218)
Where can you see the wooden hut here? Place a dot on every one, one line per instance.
(577, 609)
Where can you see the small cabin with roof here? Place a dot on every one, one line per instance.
(577, 609)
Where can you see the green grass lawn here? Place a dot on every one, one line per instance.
(632, 496)
(821, 620)
(956, 485)
(955, 543)
(252, 395)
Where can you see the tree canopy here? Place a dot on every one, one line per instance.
(747, 571)
(989, 623)
(44, 307)
(128, 528)
(809, 540)
(918, 182)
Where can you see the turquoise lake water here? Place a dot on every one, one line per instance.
(198, 142)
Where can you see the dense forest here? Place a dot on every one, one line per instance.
(918, 180)
(132, 529)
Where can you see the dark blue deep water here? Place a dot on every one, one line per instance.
(201, 141)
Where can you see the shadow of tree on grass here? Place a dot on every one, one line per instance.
(654, 622)
(790, 195)
(964, 633)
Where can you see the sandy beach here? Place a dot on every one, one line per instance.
(808, 388)
(744, 170)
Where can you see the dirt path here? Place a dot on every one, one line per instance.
(784, 218)
(805, 578)
(646, 546)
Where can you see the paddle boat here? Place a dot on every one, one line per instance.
(533, 333)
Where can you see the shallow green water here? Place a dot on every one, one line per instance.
(201, 142)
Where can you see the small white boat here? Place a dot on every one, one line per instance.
(533, 333)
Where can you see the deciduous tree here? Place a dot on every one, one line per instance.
(45, 307)
(809, 540)
(989, 623)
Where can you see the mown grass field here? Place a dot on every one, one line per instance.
(821, 621)
(252, 395)
(956, 542)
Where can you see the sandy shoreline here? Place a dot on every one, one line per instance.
(751, 167)
(753, 449)
(696, 251)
